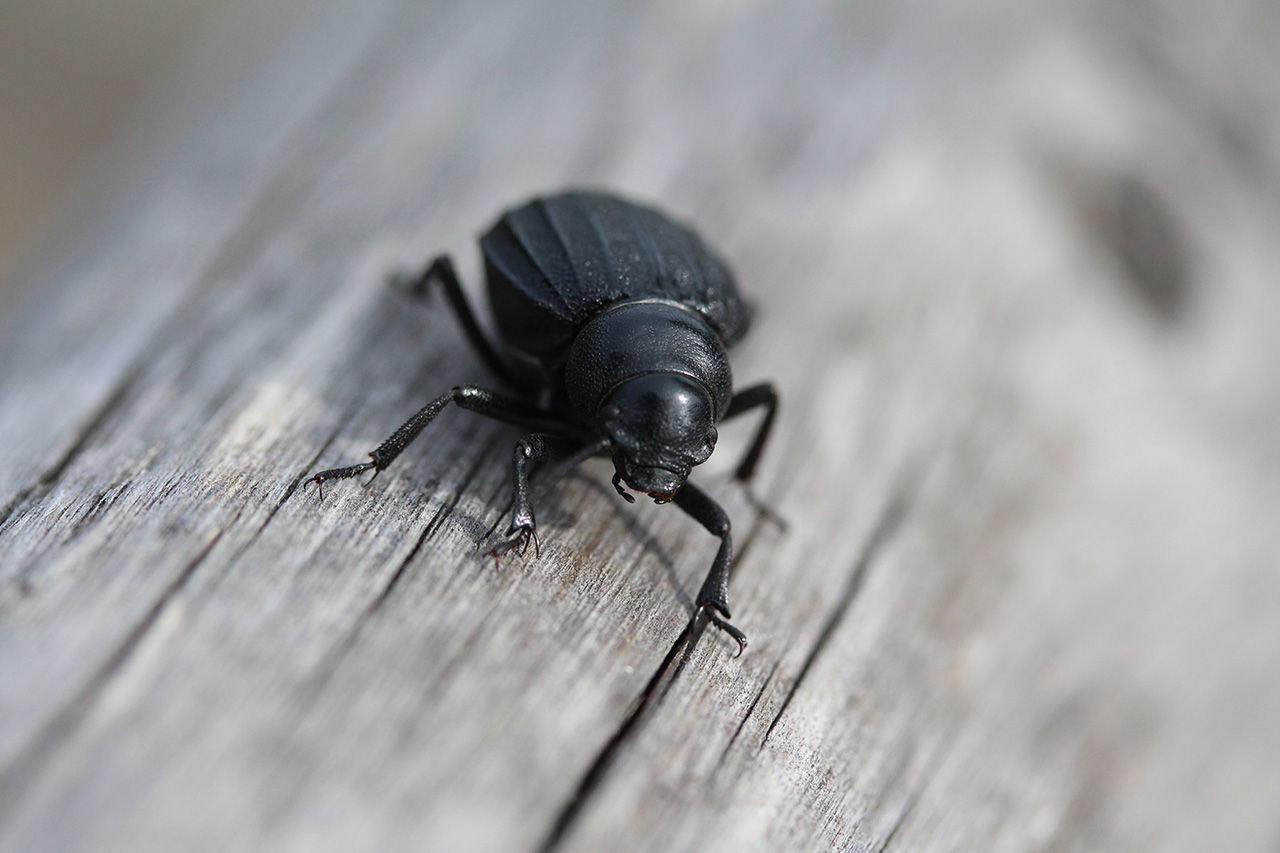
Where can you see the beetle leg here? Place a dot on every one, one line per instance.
(469, 397)
(533, 448)
(713, 598)
(745, 400)
(441, 270)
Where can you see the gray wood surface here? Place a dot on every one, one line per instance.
(1016, 267)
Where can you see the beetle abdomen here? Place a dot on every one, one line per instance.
(555, 262)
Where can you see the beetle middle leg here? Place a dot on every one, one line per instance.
(713, 598)
(469, 397)
(538, 448)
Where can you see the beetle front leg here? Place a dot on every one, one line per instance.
(713, 598)
(535, 447)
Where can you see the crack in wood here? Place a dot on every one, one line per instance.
(83, 437)
(647, 702)
(724, 755)
(642, 708)
(21, 774)
(98, 506)
(890, 520)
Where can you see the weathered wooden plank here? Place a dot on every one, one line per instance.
(1015, 272)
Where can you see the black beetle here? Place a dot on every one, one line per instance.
(615, 322)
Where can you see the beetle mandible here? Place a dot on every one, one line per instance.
(615, 323)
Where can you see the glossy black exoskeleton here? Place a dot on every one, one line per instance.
(614, 324)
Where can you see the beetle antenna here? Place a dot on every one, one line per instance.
(617, 484)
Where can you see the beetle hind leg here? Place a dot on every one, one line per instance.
(441, 271)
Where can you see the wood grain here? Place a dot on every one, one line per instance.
(1015, 269)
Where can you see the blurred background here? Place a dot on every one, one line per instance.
(76, 76)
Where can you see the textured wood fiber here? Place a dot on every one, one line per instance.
(1015, 269)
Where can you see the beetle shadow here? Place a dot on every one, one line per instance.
(641, 533)
(555, 516)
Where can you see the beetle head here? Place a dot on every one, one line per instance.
(659, 426)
